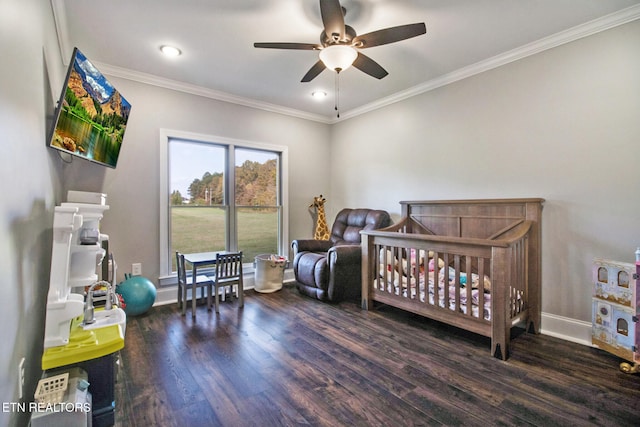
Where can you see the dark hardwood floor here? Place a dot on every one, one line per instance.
(285, 359)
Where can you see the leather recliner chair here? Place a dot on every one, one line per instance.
(330, 270)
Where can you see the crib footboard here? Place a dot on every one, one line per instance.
(477, 284)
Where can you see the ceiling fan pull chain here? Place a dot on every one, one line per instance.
(337, 93)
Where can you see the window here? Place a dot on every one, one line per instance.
(623, 279)
(603, 275)
(257, 201)
(221, 194)
(622, 327)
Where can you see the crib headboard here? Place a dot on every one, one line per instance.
(480, 218)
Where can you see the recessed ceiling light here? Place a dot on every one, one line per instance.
(319, 94)
(170, 50)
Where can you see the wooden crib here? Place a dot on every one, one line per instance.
(473, 264)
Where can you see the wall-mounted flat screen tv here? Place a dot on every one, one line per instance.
(91, 115)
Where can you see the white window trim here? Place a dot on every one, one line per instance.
(166, 275)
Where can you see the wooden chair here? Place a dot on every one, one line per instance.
(228, 273)
(185, 281)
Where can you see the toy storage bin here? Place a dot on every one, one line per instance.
(62, 400)
(51, 390)
(269, 272)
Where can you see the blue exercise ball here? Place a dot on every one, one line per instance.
(138, 294)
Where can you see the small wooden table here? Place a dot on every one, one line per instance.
(200, 259)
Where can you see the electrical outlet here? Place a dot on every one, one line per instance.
(21, 378)
(136, 269)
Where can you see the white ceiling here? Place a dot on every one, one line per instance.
(464, 37)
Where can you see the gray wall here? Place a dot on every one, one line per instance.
(35, 178)
(133, 188)
(562, 125)
(31, 181)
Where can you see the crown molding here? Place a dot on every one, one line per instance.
(584, 30)
(66, 48)
(607, 22)
(60, 21)
(191, 89)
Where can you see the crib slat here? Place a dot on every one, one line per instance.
(410, 271)
(481, 288)
(445, 288)
(525, 257)
(469, 287)
(436, 278)
(518, 280)
(380, 251)
(422, 277)
(416, 273)
(394, 258)
(513, 282)
(456, 283)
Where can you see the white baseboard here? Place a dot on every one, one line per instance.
(565, 328)
(169, 294)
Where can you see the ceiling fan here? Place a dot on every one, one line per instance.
(340, 45)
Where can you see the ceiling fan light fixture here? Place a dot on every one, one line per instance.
(319, 95)
(170, 51)
(338, 57)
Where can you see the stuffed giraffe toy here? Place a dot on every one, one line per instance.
(322, 229)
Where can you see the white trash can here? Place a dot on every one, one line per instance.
(269, 272)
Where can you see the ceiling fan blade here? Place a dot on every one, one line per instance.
(332, 19)
(389, 35)
(317, 68)
(369, 66)
(296, 46)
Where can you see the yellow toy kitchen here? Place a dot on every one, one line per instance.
(85, 327)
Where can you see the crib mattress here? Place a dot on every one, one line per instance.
(401, 286)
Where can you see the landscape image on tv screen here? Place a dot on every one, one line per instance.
(91, 114)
